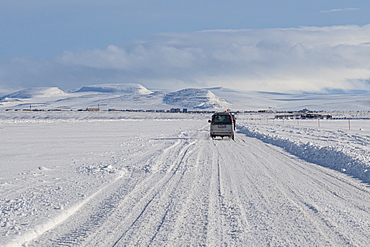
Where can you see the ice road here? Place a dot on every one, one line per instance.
(156, 182)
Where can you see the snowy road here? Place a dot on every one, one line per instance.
(177, 187)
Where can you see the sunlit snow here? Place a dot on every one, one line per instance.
(115, 178)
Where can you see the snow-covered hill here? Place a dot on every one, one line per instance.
(295, 101)
(35, 92)
(128, 88)
(196, 98)
(136, 96)
(113, 96)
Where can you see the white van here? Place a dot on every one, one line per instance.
(222, 124)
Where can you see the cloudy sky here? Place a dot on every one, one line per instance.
(258, 45)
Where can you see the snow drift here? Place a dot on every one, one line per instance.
(336, 155)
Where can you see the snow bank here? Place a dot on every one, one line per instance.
(337, 153)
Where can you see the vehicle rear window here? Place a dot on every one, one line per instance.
(221, 119)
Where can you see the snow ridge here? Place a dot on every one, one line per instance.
(336, 158)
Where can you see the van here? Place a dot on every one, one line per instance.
(222, 124)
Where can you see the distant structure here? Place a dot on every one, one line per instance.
(175, 110)
(92, 109)
(303, 115)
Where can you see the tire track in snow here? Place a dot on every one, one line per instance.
(236, 228)
(313, 196)
(41, 229)
(77, 233)
(219, 192)
(276, 202)
(166, 219)
(158, 190)
(336, 188)
(191, 223)
(135, 204)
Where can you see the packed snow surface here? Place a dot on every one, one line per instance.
(140, 179)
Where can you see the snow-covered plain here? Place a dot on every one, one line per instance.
(139, 179)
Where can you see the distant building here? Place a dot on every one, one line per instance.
(92, 109)
(175, 110)
(302, 115)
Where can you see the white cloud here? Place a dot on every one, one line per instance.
(340, 10)
(299, 59)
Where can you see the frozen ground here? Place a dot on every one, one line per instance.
(124, 179)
